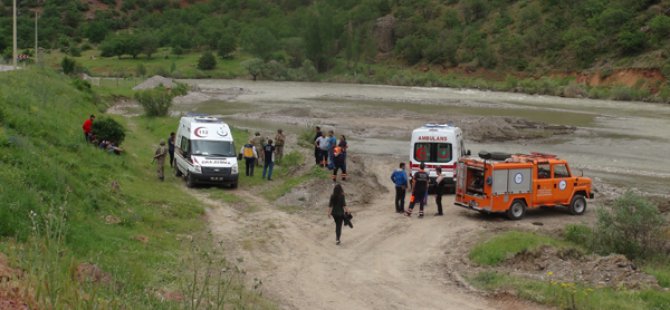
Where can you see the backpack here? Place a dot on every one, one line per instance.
(248, 151)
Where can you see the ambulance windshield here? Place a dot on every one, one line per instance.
(213, 148)
(433, 152)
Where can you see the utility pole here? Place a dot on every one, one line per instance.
(14, 53)
(37, 51)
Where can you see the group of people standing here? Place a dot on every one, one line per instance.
(419, 187)
(260, 150)
(330, 153)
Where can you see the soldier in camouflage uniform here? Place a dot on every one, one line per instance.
(159, 158)
(279, 145)
(258, 144)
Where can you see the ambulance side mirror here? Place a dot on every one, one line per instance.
(468, 153)
(489, 181)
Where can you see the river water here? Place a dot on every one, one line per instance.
(625, 144)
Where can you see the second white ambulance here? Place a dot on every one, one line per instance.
(437, 145)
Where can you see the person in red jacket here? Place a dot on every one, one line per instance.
(88, 124)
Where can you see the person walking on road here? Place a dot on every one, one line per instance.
(399, 178)
(337, 207)
(88, 127)
(317, 149)
(171, 148)
(280, 139)
(159, 158)
(419, 190)
(440, 184)
(269, 164)
(250, 155)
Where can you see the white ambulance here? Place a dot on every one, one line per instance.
(437, 145)
(205, 152)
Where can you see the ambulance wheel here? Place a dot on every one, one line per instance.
(233, 185)
(577, 205)
(517, 210)
(177, 172)
(189, 181)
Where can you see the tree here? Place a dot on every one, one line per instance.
(157, 101)
(148, 42)
(631, 42)
(227, 45)
(660, 27)
(207, 61)
(254, 67)
(320, 37)
(68, 65)
(259, 41)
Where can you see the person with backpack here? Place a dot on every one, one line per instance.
(249, 153)
(337, 209)
(419, 190)
(399, 178)
(269, 164)
(440, 184)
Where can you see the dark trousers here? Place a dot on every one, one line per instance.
(344, 172)
(400, 199)
(171, 157)
(249, 163)
(438, 202)
(323, 157)
(339, 219)
(317, 155)
(421, 199)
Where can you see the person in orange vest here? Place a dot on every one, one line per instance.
(419, 190)
(339, 163)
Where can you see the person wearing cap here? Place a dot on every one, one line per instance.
(159, 158)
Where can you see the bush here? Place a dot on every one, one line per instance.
(660, 27)
(157, 101)
(579, 234)
(69, 65)
(632, 226)
(207, 61)
(631, 42)
(109, 129)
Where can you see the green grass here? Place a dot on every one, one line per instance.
(660, 270)
(185, 66)
(562, 295)
(45, 165)
(495, 250)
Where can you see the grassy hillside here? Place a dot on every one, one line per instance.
(60, 208)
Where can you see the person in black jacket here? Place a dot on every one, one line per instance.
(336, 209)
(440, 185)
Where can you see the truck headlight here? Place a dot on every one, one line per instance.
(197, 169)
(234, 169)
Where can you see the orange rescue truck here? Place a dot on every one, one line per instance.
(503, 183)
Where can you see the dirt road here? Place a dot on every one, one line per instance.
(387, 261)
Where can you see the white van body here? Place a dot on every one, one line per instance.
(205, 151)
(437, 145)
